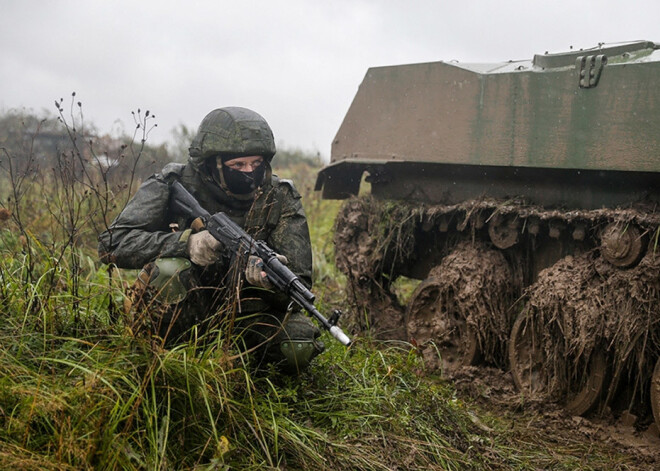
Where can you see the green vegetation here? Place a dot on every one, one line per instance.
(78, 391)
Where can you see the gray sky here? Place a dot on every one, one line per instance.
(298, 63)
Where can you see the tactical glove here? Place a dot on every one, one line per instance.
(255, 274)
(203, 248)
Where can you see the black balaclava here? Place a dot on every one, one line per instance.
(242, 183)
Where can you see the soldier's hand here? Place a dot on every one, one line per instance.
(283, 260)
(255, 274)
(203, 248)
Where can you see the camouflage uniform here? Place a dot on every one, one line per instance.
(149, 235)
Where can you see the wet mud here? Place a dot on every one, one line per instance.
(472, 289)
(583, 305)
(493, 391)
(482, 266)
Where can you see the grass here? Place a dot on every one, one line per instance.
(112, 402)
(77, 391)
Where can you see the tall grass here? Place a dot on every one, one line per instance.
(78, 391)
(105, 400)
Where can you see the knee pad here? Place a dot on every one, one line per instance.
(300, 353)
(298, 342)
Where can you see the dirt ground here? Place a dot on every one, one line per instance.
(584, 298)
(494, 392)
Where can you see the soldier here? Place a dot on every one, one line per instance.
(186, 286)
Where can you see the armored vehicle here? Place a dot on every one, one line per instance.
(525, 195)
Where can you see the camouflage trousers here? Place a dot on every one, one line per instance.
(172, 301)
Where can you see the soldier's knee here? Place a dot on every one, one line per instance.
(298, 342)
(158, 298)
(170, 279)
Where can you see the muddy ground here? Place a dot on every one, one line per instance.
(543, 422)
(582, 298)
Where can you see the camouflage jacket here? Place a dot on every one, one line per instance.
(147, 228)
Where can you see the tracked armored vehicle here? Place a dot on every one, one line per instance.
(525, 195)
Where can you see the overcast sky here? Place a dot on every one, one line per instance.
(298, 63)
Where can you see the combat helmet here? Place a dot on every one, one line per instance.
(232, 131)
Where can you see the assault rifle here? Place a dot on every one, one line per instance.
(235, 239)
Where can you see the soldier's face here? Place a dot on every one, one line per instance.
(242, 164)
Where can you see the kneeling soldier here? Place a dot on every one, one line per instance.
(186, 284)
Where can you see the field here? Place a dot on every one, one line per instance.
(79, 391)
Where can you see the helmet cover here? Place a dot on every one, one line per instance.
(232, 132)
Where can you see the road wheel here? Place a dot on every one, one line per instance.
(527, 360)
(433, 324)
(622, 245)
(504, 230)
